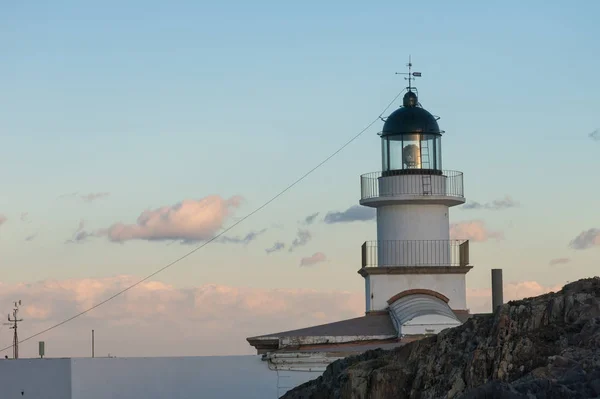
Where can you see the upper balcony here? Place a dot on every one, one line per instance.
(415, 186)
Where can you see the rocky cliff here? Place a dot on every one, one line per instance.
(543, 347)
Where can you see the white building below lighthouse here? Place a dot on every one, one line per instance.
(415, 274)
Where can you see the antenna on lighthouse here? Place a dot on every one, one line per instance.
(411, 75)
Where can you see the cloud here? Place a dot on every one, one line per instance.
(209, 319)
(559, 261)
(311, 218)
(480, 299)
(3, 219)
(473, 230)
(188, 221)
(247, 239)
(81, 235)
(277, 246)
(586, 239)
(317, 257)
(68, 195)
(500, 204)
(356, 213)
(90, 197)
(302, 238)
(595, 135)
(93, 196)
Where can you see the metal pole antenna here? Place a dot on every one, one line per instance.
(13, 323)
(411, 74)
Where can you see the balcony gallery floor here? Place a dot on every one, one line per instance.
(373, 270)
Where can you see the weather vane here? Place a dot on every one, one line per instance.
(410, 74)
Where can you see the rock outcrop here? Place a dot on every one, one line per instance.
(542, 347)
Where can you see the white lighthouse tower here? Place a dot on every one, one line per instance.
(414, 270)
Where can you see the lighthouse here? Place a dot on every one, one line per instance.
(414, 272)
(414, 269)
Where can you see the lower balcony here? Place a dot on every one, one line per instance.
(415, 253)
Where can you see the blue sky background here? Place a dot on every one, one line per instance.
(157, 102)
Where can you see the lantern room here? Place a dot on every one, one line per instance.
(411, 140)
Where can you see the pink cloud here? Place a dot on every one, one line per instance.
(190, 220)
(317, 257)
(474, 230)
(480, 299)
(3, 219)
(158, 319)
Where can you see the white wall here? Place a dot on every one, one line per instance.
(180, 378)
(384, 286)
(429, 324)
(35, 378)
(368, 293)
(413, 222)
(415, 185)
(204, 377)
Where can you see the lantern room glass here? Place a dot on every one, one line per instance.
(412, 151)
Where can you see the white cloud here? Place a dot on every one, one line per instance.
(473, 230)
(81, 235)
(247, 239)
(315, 258)
(310, 218)
(356, 213)
(302, 238)
(586, 239)
(276, 247)
(500, 204)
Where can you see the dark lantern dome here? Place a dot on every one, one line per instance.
(410, 119)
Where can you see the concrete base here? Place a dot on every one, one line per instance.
(382, 283)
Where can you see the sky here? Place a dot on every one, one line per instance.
(132, 132)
